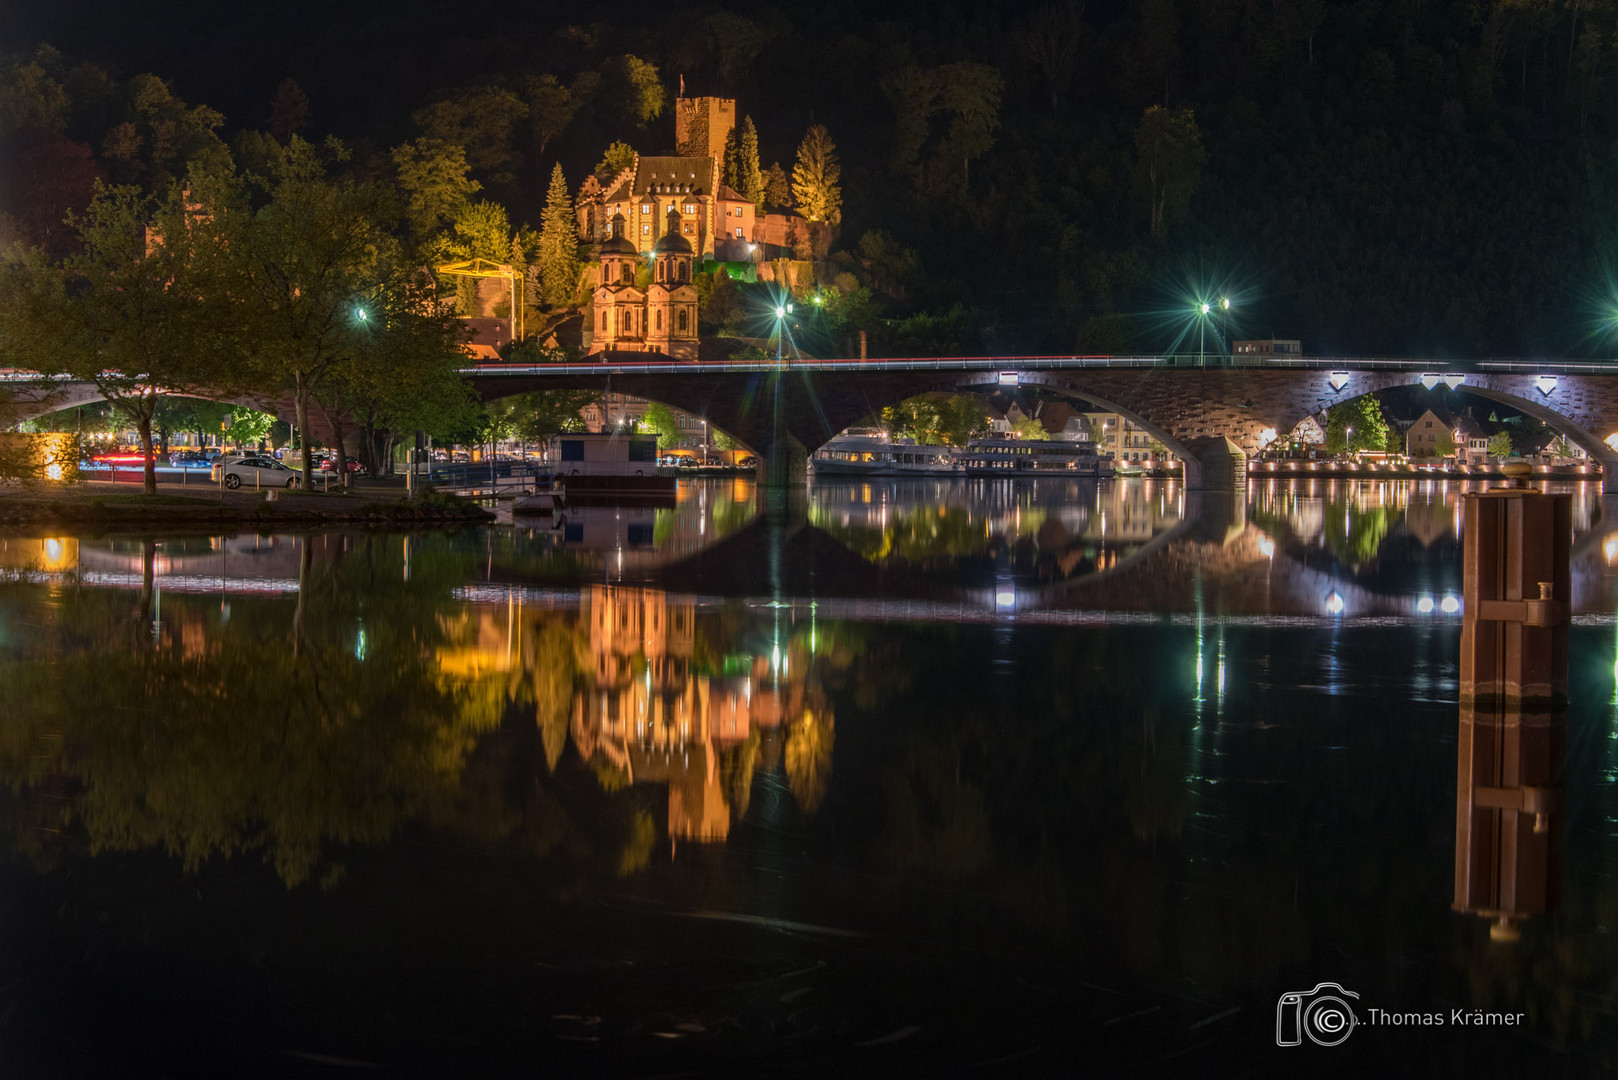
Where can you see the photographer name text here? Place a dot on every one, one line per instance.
(1455, 1018)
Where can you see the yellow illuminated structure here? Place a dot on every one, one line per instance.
(483, 268)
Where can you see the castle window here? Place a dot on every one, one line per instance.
(682, 319)
(601, 319)
(626, 275)
(690, 208)
(690, 228)
(660, 319)
(738, 232)
(646, 230)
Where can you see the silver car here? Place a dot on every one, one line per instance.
(254, 470)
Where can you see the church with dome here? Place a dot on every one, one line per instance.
(628, 315)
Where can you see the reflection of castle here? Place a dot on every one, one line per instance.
(643, 711)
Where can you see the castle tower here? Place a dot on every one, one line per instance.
(702, 124)
(671, 300)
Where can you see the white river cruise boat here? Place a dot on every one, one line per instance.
(1029, 457)
(871, 455)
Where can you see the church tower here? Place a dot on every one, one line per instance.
(671, 300)
(618, 313)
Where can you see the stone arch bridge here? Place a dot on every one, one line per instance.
(1210, 415)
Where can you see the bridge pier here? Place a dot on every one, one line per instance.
(1214, 464)
(783, 463)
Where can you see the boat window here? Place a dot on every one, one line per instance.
(572, 450)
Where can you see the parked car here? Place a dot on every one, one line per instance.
(256, 470)
(329, 464)
(187, 459)
(748, 462)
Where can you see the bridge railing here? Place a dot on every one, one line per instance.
(1488, 365)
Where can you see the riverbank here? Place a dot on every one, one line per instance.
(99, 504)
(1298, 469)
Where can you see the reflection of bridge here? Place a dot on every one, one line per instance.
(1203, 413)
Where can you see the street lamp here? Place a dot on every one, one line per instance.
(781, 312)
(705, 442)
(1204, 310)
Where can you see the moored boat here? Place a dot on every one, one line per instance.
(1032, 457)
(870, 455)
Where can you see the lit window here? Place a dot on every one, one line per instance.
(646, 230)
(738, 211)
(690, 228)
(690, 208)
(738, 232)
(646, 208)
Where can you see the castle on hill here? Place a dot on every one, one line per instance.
(717, 221)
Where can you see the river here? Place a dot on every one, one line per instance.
(927, 777)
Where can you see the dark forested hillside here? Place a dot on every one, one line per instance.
(1368, 175)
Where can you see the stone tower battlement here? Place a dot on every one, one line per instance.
(702, 124)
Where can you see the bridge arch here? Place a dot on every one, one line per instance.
(1514, 390)
(658, 399)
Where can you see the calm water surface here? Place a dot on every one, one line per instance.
(910, 777)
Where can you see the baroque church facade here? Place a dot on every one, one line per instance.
(660, 316)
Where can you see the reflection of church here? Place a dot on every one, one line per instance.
(645, 713)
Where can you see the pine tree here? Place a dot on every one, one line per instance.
(747, 154)
(733, 161)
(815, 177)
(558, 244)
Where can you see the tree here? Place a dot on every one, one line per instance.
(542, 413)
(483, 119)
(248, 426)
(309, 264)
(558, 244)
(619, 156)
(660, 419)
(1500, 445)
(1169, 160)
(738, 40)
(131, 312)
(1364, 416)
(289, 111)
(1444, 445)
(633, 88)
(777, 188)
(433, 176)
(551, 107)
(815, 178)
(961, 419)
(970, 93)
(1051, 43)
(1029, 428)
(752, 179)
(732, 163)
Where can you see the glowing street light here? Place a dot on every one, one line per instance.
(1205, 309)
(781, 312)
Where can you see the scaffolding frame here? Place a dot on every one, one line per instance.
(483, 268)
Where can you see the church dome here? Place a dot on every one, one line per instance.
(617, 243)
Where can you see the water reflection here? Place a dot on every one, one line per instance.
(1176, 773)
(1040, 531)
